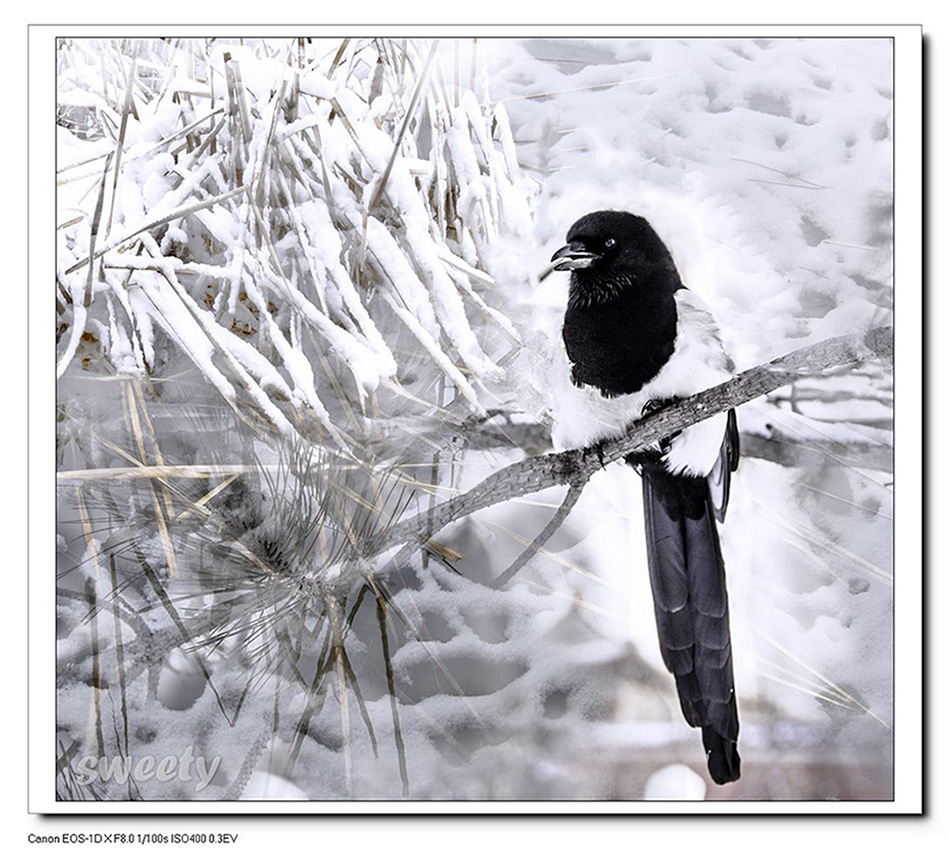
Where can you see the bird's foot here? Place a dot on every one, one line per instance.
(654, 406)
(597, 449)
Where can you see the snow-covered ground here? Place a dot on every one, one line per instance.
(766, 166)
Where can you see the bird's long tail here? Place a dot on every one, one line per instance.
(692, 609)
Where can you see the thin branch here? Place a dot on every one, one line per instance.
(410, 111)
(94, 233)
(804, 452)
(575, 467)
(563, 511)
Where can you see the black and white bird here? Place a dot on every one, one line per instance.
(636, 339)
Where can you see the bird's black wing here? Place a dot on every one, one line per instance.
(720, 477)
(688, 579)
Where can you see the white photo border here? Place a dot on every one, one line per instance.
(909, 514)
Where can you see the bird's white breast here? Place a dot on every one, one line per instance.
(699, 361)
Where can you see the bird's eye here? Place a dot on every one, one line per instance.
(610, 242)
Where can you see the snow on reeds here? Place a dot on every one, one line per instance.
(305, 221)
(305, 228)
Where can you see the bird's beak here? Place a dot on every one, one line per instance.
(574, 256)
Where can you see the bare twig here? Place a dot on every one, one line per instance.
(789, 452)
(382, 618)
(410, 111)
(563, 511)
(94, 233)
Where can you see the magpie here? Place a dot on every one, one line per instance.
(638, 339)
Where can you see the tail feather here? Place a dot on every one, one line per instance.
(722, 757)
(688, 579)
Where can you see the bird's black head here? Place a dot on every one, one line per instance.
(615, 250)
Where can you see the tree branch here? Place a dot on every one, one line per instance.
(563, 511)
(575, 467)
(807, 452)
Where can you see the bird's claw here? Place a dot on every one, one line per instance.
(598, 450)
(654, 405)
